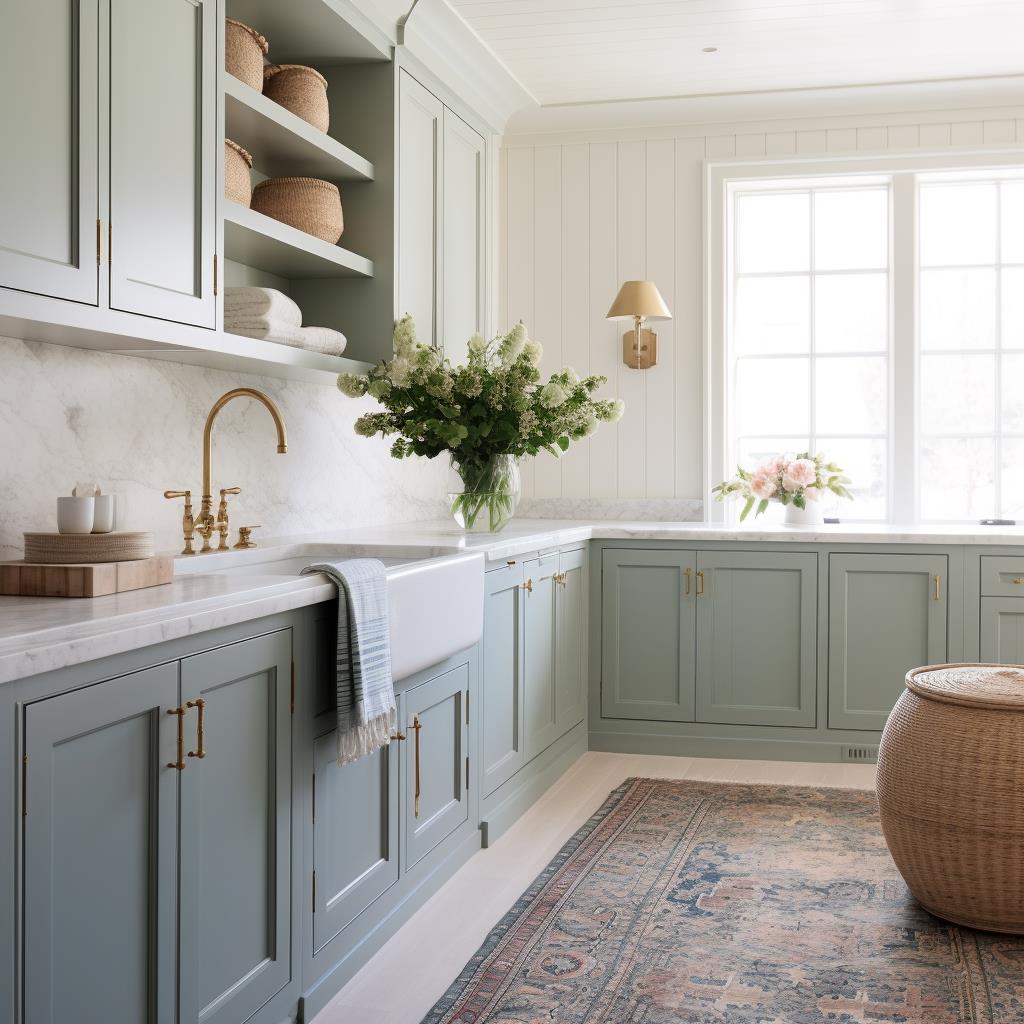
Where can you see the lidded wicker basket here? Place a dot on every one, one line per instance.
(237, 182)
(244, 50)
(951, 792)
(301, 90)
(309, 204)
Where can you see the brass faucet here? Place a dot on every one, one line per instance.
(205, 524)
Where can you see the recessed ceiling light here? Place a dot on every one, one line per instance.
(710, 49)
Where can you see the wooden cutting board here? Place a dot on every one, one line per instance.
(32, 579)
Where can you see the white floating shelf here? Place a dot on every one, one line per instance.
(267, 244)
(39, 318)
(282, 143)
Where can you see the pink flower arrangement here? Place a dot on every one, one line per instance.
(788, 481)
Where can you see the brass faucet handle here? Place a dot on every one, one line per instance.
(222, 516)
(188, 523)
(224, 491)
(245, 537)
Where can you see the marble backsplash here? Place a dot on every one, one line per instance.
(631, 510)
(136, 425)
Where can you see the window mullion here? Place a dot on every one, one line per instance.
(903, 287)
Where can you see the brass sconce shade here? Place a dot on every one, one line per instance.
(639, 301)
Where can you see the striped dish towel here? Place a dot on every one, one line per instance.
(367, 715)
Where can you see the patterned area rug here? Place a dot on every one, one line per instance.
(705, 902)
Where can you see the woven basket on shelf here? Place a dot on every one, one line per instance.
(237, 182)
(244, 50)
(951, 792)
(309, 204)
(299, 89)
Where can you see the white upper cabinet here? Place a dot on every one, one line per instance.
(48, 165)
(463, 236)
(441, 216)
(163, 102)
(420, 121)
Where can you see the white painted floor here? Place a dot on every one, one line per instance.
(413, 970)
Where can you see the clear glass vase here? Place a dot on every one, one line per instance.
(489, 496)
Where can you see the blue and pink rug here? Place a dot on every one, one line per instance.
(698, 903)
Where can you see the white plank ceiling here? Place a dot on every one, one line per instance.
(586, 51)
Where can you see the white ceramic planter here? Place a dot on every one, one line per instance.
(811, 515)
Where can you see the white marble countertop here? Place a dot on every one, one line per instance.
(40, 634)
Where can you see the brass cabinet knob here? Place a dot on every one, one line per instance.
(245, 537)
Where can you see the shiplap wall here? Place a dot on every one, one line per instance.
(580, 213)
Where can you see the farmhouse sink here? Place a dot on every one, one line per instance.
(435, 599)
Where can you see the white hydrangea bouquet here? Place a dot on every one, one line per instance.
(486, 415)
(793, 482)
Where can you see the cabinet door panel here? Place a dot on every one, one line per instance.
(462, 264)
(1002, 630)
(648, 635)
(49, 50)
(571, 640)
(101, 851)
(353, 865)
(437, 801)
(540, 703)
(236, 830)
(420, 117)
(757, 638)
(885, 617)
(163, 173)
(501, 693)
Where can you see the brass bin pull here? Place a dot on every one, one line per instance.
(1019, 580)
(688, 573)
(938, 586)
(180, 763)
(700, 582)
(528, 586)
(200, 727)
(416, 728)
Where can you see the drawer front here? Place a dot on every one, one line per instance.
(504, 574)
(1002, 576)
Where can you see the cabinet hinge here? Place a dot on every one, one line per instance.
(99, 228)
(314, 890)
(293, 689)
(214, 273)
(24, 786)
(467, 773)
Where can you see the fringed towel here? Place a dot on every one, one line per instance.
(267, 303)
(367, 715)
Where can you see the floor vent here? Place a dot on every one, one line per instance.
(864, 755)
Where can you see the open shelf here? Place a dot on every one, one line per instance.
(283, 144)
(267, 244)
(316, 32)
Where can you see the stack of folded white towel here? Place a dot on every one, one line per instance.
(269, 315)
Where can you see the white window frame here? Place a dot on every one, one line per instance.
(722, 176)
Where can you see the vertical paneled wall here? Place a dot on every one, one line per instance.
(580, 214)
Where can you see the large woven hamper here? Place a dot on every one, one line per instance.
(951, 792)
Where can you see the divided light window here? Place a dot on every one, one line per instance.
(880, 320)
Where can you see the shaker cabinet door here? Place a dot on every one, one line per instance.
(540, 702)
(49, 108)
(100, 866)
(236, 829)
(163, 171)
(1002, 630)
(571, 640)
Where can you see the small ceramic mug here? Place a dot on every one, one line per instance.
(106, 513)
(76, 515)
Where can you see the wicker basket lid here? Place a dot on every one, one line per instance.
(972, 684)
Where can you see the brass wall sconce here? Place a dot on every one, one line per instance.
(639, 301)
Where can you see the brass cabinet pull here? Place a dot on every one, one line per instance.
(399, 736)
(528, 586)
(1019, 580)
(200, 727)
(700, 582)
(938, 586)
(560, 578)
(688, 573)
(510, 562)
(416, 729)
(180, 763)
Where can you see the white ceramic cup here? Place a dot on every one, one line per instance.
(106, 513)
(76, 515)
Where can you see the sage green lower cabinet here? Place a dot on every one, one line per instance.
(648, 634)
(540, 709)
(571, 640)
(757, 617)
(100, 844)
(501, 695)
(1002, 630)
(437, 762)
(236, 830)
(887, 615)
(352, 866)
